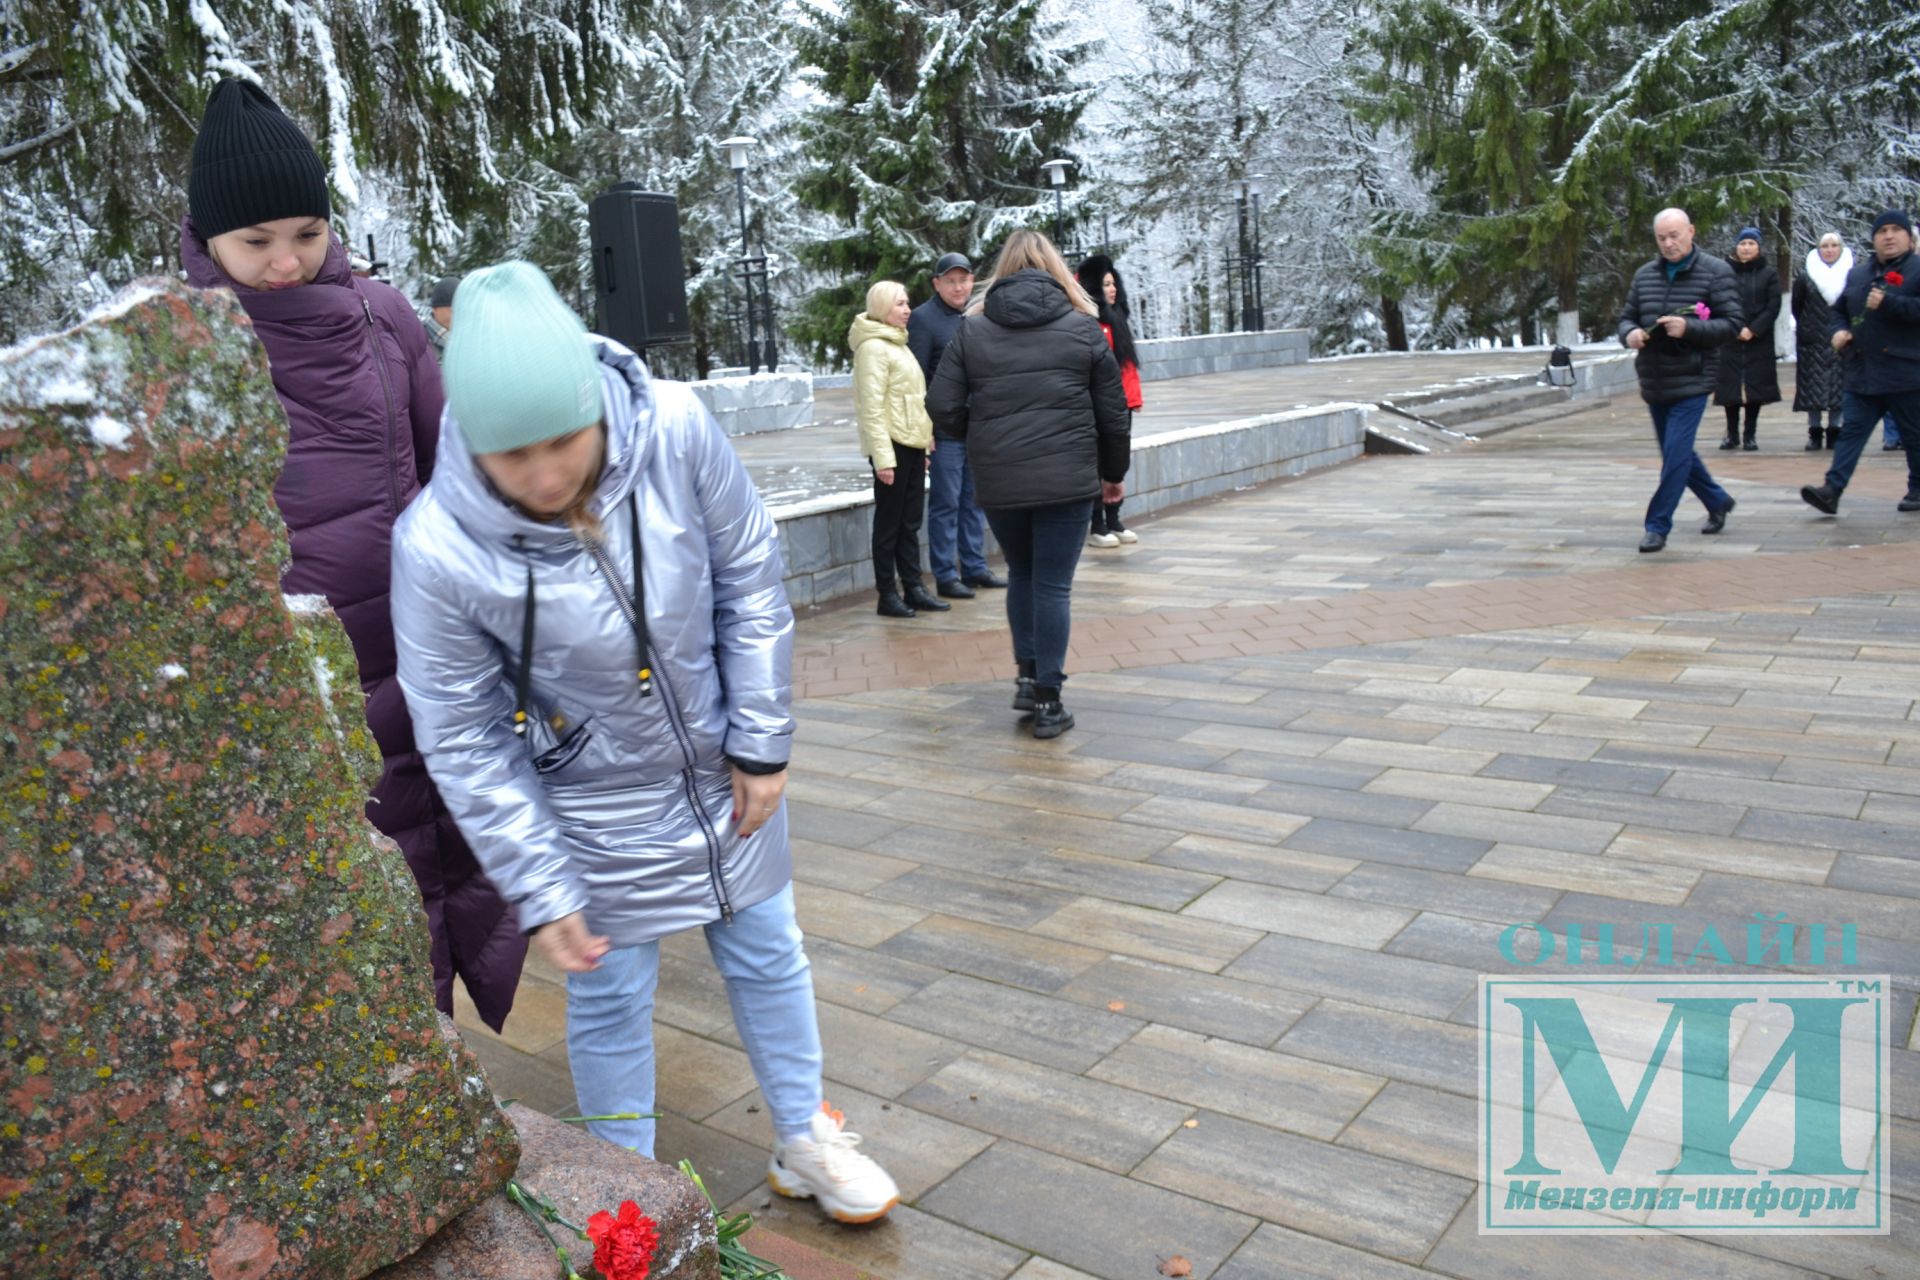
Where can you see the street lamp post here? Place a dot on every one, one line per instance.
(1057, 176)
(759, 318)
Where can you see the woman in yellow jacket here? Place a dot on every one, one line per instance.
(890, 408)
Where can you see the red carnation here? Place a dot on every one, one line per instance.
(1895, 279)
(623, 1247)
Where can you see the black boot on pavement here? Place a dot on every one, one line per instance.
(1751, 445)
(1820, 497)
(1911, 502)
(917, 595)
(1023, 689)
(1050, 719)
(986, 581)
(892, 606)
(1653, 542)
(954, 589)
(1814, 444)
(1717, 520)
(1732, 441)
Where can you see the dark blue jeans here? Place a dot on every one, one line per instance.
(1858, 416)
(1674, 426)
(1042, 546)
(956, 527)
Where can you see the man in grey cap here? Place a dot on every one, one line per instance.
(440, 318)
(956, 527)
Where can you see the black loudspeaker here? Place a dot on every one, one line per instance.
(639, 278)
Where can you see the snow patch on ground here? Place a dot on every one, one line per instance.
(172, 671)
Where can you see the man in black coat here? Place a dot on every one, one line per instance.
(1877, 333)
(1681, 309)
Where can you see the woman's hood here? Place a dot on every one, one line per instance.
(866, 329)
(1026, 300)
(627, 399)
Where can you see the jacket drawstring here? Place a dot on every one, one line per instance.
(523, 679)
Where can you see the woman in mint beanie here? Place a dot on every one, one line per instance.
(597, 651)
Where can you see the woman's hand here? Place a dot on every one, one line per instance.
(1842, 338)
(1112, 490)
(755, 797)
(568, 946)
(884, 475)
(1746, 334)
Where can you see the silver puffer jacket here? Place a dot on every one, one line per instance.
(615, 802)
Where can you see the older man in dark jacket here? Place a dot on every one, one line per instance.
(1877, 333)
(1681, 309)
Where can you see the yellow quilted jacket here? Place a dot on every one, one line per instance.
(889, 391)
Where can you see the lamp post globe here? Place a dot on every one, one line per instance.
(1057, 178)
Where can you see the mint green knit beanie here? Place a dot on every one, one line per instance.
(518, 368)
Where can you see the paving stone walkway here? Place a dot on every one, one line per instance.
(1198, 977)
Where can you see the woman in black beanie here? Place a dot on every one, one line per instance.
(362, 395)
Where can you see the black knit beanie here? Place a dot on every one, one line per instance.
(251, 164)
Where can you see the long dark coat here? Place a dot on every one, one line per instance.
(1816, 375)
(363, 397)
(1748, 370)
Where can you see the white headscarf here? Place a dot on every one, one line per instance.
(1829, 280)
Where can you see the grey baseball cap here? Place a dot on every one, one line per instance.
(951, 262)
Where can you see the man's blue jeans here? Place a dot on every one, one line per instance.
(770, 986)
(1675, 426)
(1858, 416)
(954, 517)
(1042, 546)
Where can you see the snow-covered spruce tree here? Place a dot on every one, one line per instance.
(99, 104)
(933, 119)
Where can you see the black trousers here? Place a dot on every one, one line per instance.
(898, 509)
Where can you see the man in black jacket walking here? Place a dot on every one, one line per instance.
(1681, 309)
(1877, 333)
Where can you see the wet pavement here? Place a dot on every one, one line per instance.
(1198, 978)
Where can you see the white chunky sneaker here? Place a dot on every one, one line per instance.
(825, 1167)
(1126, 535)
(1102, 540)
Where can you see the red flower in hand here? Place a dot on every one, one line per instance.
(1895, 279)
(623, 1247)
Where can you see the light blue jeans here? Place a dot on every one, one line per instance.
(770, 986)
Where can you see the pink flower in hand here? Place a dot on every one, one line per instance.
(1702, 310)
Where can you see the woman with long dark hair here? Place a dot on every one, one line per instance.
(1102, 282)
(1032, 387)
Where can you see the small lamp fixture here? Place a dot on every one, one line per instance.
(1057, 171)
(738, 148)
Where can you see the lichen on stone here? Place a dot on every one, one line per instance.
(218, 1049)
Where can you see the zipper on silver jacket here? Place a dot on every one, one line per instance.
(386, 390)
(620, 597)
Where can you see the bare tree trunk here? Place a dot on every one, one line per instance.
(1395, 321)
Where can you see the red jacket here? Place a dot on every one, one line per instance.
(1129, 374)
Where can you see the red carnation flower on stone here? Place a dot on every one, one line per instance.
(623, 1247)
(1895, 279)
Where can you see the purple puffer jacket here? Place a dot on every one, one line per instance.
(362, 434)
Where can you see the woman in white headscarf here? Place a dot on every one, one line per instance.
(1816, 378)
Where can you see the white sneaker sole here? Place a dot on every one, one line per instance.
(834, 1209)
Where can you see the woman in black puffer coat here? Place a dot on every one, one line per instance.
(1032, 387)
(1816, 373)
(1748, 377)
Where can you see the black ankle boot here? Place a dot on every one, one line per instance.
(1732, 441)
(892, 606)
(1050, 719)
(917, 595)
(1751, 444)
(1023, 689)
(1813, 440)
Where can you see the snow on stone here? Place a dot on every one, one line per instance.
(305, 605)
(172, 671)
(108, 431)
